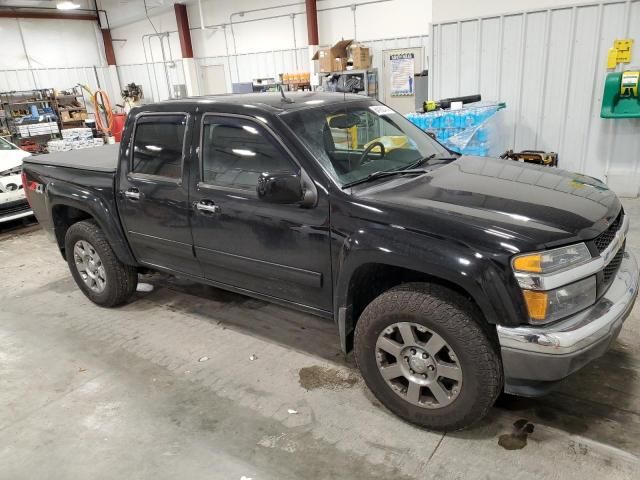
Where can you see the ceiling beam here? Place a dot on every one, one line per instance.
(47, 15)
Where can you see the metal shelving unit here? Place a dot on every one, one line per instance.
(28, 131)
(366, 79)
(71, 108)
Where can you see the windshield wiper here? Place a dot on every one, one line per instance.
(382, 174)
(421, 161)
(424, 160)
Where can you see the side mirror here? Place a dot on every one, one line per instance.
(280, 188)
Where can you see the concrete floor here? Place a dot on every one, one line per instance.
(93, 393)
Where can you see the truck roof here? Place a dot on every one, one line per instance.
(271, 101)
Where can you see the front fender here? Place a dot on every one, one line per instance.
(97, 202)
(482, 276)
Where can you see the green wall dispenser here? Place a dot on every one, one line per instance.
(620, 98)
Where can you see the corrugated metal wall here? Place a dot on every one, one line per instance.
(59, 78)
(248, 66)
(46, 78)
(549, 66)
(153, 78)
(271, 63)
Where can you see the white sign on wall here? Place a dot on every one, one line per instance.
(402, 71)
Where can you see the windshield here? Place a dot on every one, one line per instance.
(355, 139)
(4, 145)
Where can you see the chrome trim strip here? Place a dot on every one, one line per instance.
(585, 328)
(535, 281)
(15, 216)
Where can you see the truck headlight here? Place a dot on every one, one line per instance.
(552, 305)
(550, 261)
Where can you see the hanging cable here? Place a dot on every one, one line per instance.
(103, 111)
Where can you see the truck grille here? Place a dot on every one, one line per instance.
(603, 240)
(611, 269)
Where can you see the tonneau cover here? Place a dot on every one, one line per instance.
(99, 159)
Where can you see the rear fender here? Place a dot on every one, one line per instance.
(99, 206)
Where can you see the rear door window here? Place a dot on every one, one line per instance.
(158, 145)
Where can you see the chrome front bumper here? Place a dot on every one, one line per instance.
(550, 353)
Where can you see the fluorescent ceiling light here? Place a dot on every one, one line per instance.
(67, 5)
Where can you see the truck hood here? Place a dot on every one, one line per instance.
(514, 205)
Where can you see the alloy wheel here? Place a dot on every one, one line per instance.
(89, 266)
(418, 365)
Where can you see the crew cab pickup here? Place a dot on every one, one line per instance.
(453, 278)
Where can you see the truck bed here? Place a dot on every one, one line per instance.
(100, 159)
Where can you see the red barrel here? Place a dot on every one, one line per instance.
(118, 125)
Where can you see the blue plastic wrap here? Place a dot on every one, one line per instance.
(471, 130)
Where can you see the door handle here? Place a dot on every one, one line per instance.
(133, 194)
(207, 206)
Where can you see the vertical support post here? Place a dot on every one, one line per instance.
(26, 54)
(111, 79)
(312, 22)
(183, 30)
(188, 63)
(312, 34)
(108, 46)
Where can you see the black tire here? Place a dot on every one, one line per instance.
(121, 280)
(458, 322)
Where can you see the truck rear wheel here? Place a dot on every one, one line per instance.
(425, 356)
(97, 271)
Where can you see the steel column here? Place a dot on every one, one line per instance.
(183, 30)
(312, 21)
(108, 46)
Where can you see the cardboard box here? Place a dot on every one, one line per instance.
(361, 56)
(65, 116)
(327, 57)
(339, 64)
(324, 57)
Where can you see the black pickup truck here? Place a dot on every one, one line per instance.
(454, 278)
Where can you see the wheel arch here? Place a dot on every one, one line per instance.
(362, 283)
(66, 210)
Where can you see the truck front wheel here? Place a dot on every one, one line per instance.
(423, 353)
(97, 271)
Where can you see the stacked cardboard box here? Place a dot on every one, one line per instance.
(334, 59)
(77, 134)
(74, 139)
(360, 55)
(33, 130)
(47, 128)
(68, 116)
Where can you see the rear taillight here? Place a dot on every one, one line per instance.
(25, 188)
